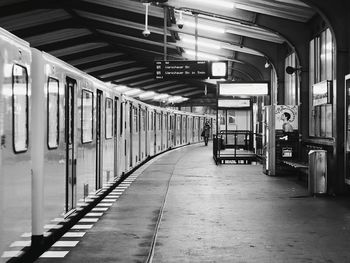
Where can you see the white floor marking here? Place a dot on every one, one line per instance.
(100, 209)
(101, 204)
(54, 254)
(74, 234)
(94, 214)
(21, 244)
(109, 200)
(112, 196)
(65, 244)
(11, 254)
(88, 220)
(82, 227)
(29, 234)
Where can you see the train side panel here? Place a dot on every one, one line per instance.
(142, 133)
(15, 149)
(108, 137)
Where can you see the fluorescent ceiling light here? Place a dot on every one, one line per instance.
(200, 43)
(161, 96)
(205, 27)
(175, 99)
(121, 88)
(147, 94)
(132, 92)
(217, 3)
(201, 55)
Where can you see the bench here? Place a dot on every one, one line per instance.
(301, 167)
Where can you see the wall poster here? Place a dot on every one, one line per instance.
(286, 117)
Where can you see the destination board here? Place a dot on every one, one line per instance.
(181, 69)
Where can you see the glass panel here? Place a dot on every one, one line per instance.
(329, 55)
(329, 120)
(323, 55)
(20, 108)
(121, 118)
(321, 68)
(86, 116)
(52, 113)
(109, 118)
(135, 120)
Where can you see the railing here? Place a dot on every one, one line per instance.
(233, 145)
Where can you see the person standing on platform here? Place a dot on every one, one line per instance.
(206, 132)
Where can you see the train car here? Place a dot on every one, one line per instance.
(158, 130)
(190, 128)
(164, 130)
(135, 132)
(16, 141)
(128, 134)
(75, 136)
(150, 131)
(196, 131)
(177, 129)
(143, 132)
(183, 129)
(171, 130)
(122, 149)
(68, 136)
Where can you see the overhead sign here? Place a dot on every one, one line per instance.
(234, 103)
(190, 69)
(243, 89)
(181, 69)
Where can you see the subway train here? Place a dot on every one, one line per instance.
(65, 135)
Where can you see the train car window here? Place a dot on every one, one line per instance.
(152, 121)
(143, 122)
(159, 121)
(53, 101)
(121, 118)
(109, 118)
(86, 116)
(115, 116)
(135, 120)
(20, 108)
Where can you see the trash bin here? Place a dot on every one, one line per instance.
(317, 183)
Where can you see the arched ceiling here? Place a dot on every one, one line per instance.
(104, 37)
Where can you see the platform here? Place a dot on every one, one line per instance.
(227, 213)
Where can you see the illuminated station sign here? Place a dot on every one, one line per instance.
(190, 69)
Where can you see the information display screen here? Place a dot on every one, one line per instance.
(181, 69)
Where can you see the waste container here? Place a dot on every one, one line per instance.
(317, 183)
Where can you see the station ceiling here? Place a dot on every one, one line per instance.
(104, 37)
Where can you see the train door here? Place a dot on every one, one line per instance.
(146, 131)
(140, 132)
(161, 131)
(71, 161)
(116, 148)
(155, 131)
(99, 139)
(130, 133)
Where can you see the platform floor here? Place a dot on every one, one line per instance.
(225, 213)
